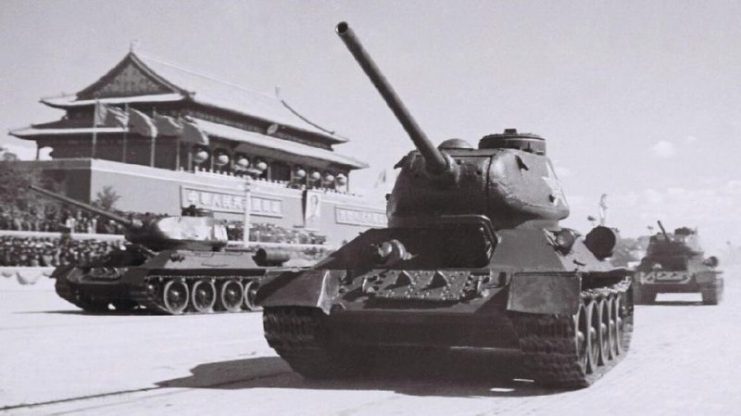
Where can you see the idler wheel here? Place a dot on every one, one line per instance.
(581, 324)
(175, 296)
(603, 333)
(250, 293)
(231, 296)
(593, 346)
(203, 296)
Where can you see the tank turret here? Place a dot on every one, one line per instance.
(508, 178)
(159, 233)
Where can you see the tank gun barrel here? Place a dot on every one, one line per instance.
(103, 213)
(663, 231)
(436, 163)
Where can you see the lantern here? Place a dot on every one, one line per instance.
(315, 176)
(300, 173)
(261, 165)
(243, 162)
(221, 159)
(341, 179)
(329, 178)
(200, 156)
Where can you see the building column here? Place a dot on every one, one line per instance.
(247, 211)
(177, 153)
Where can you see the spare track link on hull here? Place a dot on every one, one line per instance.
(551, 346)
(235, 300)
(300, 337)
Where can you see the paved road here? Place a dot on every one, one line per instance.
(685, 359)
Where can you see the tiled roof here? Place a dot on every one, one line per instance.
(27, 132)
(267, 142)
(213, 92)
(72, 101)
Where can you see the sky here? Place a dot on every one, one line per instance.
(639, 100)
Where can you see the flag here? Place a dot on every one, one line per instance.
(116, 117)
(167, 126)
(140, 123)
(100, 113)
(109, 116)
(191, 133)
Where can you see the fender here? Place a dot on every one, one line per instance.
(550, 294)
(312, 288)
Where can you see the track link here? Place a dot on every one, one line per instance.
(550, 351)
(300, 336)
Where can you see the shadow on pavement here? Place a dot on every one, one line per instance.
(674, 303)
(138, 312)
(435, 376)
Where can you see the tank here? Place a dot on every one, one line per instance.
(675, 263)
(169, 265)
(473, 260)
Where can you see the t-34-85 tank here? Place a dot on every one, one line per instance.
(676, 264)
(473, 257)
(170, 265)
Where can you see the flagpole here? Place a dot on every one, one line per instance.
(152, 143)
(246, 223)
(125, 135)
(96, 109)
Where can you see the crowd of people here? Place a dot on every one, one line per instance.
(50, 252)
(50, 218)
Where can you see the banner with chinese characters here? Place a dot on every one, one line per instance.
(229, 202)
(357, 216)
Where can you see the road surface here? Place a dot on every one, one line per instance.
(685, 359)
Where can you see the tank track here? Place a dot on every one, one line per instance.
(549, 351)
(299, 335)
(712, 294)
(149, 293)
(73, 296)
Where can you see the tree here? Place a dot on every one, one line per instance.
(106, 198)
(14, 182)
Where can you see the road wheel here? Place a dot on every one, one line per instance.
(603, 333)
(203, 296)
(581, 323)
(250, 293)
(231, 296)
(175, 296)
(593, 346)
(612, 328)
